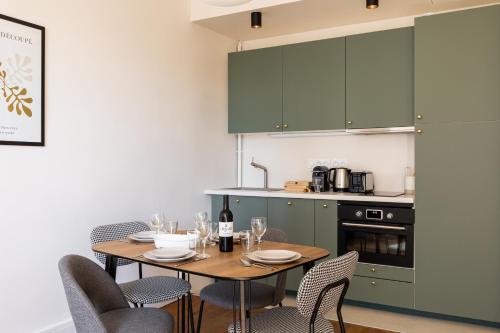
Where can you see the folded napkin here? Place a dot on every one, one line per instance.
(171, 240)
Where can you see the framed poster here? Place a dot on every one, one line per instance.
(22, 62)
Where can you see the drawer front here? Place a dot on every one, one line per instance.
(385, 272)
(378, 291)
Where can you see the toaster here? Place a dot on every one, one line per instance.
(361, 182)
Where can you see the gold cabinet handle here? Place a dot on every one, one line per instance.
(373, 283)
(237, 200)
(420, 131)
(349, 122)
(285, 126)
(277, 126)
(419, 116)
(372, 270)
(325, 206)
(289, 203)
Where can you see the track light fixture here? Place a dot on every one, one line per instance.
(371, 4)
(256, 20)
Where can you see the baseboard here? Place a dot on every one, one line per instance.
(65, 326)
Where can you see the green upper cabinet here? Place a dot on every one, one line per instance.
(314, 85)
(255, 91)
(379, 79)
(457, 66)
(296, 218)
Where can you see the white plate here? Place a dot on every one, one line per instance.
(150, 256)
(273, 262)
(144, 234)
(170, 252)
(141, 240)
(275, 254)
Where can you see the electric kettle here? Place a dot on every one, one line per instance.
(339, 179)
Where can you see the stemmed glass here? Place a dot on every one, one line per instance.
(204, 228)
(259, 227)
(200, 216)
(157, 222)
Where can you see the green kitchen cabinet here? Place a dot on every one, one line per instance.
(457, 227)
(314, 85)
(325, 225)
(296, 218)
(379, 79)
(379, 291)
(457, 66)
(255, 91)
(243, 209)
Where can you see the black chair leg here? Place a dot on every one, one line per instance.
(200, 315)
(135, 305)
(178, 316)
(191, 316)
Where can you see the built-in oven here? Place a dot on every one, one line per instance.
(382, 233)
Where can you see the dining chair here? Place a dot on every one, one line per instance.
(221, 293)
(149, 290)
(97, 304)
(322, 289)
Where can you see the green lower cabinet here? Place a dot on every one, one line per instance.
(385, 272)
(325, 225)
(379, 291)
(296, 218)
(243, 209)
(457, 219)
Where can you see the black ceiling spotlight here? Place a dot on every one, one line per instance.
(256, 18)
(371, 4)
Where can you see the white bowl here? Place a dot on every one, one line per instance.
(171, 240)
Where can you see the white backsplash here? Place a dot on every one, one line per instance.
(289, 158)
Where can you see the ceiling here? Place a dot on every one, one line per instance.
(307, 15)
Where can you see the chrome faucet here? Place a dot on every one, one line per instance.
(260, 166)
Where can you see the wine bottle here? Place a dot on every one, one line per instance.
(226, 227)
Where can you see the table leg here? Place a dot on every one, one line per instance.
(243, 320)
(110, 265)
(183, 306)
(306, 267)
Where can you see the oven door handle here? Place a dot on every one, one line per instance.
(373, 226)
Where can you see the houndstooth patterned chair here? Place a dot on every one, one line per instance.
(150, 290)
(322, 289)
(220, 293)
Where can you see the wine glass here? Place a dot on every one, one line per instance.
(200, 216)
(157, 222)
(214, 232)
(259, 227)
(247, 240)
(204, 228)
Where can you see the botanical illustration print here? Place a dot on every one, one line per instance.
(13, 74)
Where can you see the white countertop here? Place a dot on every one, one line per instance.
(311, 195)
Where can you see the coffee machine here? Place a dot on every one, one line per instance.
(320, 178)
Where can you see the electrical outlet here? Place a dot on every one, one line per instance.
(339, 163)
(313, 162)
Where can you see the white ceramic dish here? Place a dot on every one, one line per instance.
(149, 255)
(273, 262)
(275, 254)
(170, 252)
(141, 240)
(144, 234)
(171, 241)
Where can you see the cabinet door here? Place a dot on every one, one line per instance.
(457, 66)
(296, 218)
(379, 79)
(314, 85)
(255, 91)
(457, 227)
(325, 225)
(243, 209)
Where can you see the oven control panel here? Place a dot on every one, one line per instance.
(375, 213)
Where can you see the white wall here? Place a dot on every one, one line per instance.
(136, 122)
(386, 155)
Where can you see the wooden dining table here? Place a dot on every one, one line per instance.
(220, 265)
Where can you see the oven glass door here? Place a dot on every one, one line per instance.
(384, 244)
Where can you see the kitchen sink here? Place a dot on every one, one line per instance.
(253, 189)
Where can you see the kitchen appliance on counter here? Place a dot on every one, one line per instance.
(382, 233)
(339, 179)
(361, 182)
(320, 178)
